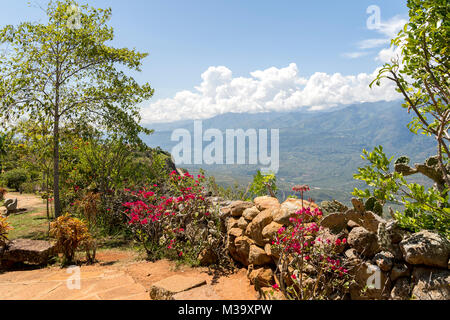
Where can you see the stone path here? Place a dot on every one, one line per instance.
(118, 276)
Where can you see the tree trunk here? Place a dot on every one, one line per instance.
(57, 201)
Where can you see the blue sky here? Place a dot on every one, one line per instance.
(186, 38)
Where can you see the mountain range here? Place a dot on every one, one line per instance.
(321, 149)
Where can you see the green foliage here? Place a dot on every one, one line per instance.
(15, 177)
(57, 74)
(263, 184)
(425, 208)
(421, 74)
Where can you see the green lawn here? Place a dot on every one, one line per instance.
(28, 225)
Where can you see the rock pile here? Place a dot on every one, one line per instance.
(387, 261)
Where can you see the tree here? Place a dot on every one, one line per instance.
(67, 73)
(422, 73)
(422, 77)
(3, 147)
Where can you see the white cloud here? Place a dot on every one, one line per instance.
(386, 55)
(355, 55)
(273, 89)
(391, 27)
(373, 43)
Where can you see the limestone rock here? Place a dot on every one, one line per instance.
(399, 270)
(242, 223)
(352, 224)
(401, 289)
(431, 283)
(31, 251)
(364, 241)
(265, 202)
(242, 249)
(258, 256)
(254, 228)
(325, 234)
(232, 223)
(332, 207)
(271, 230)
(235, 232)
(338, 221)
(271, 294)
(237, 207)
(262, 277)
(394, 231)
(384, 260)
(376, 282)
(351, 254)
(289, 208)
(426, 247)
(250, 213)
(224, 212)
(358, 205)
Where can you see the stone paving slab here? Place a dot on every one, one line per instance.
(200, 293)
(52, 285)
(166, 288)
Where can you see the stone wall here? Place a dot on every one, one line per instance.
(406, 265)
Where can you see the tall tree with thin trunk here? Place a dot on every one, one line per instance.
(422, 73)
(65, 70)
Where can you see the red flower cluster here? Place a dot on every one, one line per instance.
(301, 188)
(302, 240)
(152, 215)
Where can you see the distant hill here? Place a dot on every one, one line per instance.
(321, 149)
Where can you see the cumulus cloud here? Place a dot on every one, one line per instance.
(354, 55)
(272, 89)
(389, 30)
(391, 27)
(386, 55)
(373, 43)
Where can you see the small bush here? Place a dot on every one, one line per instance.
(15, 177)
(180, 226)
(28, 187)
(4, 229)
(2, 193)
(70, 234)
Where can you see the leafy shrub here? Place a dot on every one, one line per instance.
(301, 249)
(15, 177)
(28, 187)
(263, 184)
(424, 208)
(70, 233)
(4, 229)
(2, 193)
(179, 226)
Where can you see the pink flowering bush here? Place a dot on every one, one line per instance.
(309, 267)
(177, 225)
